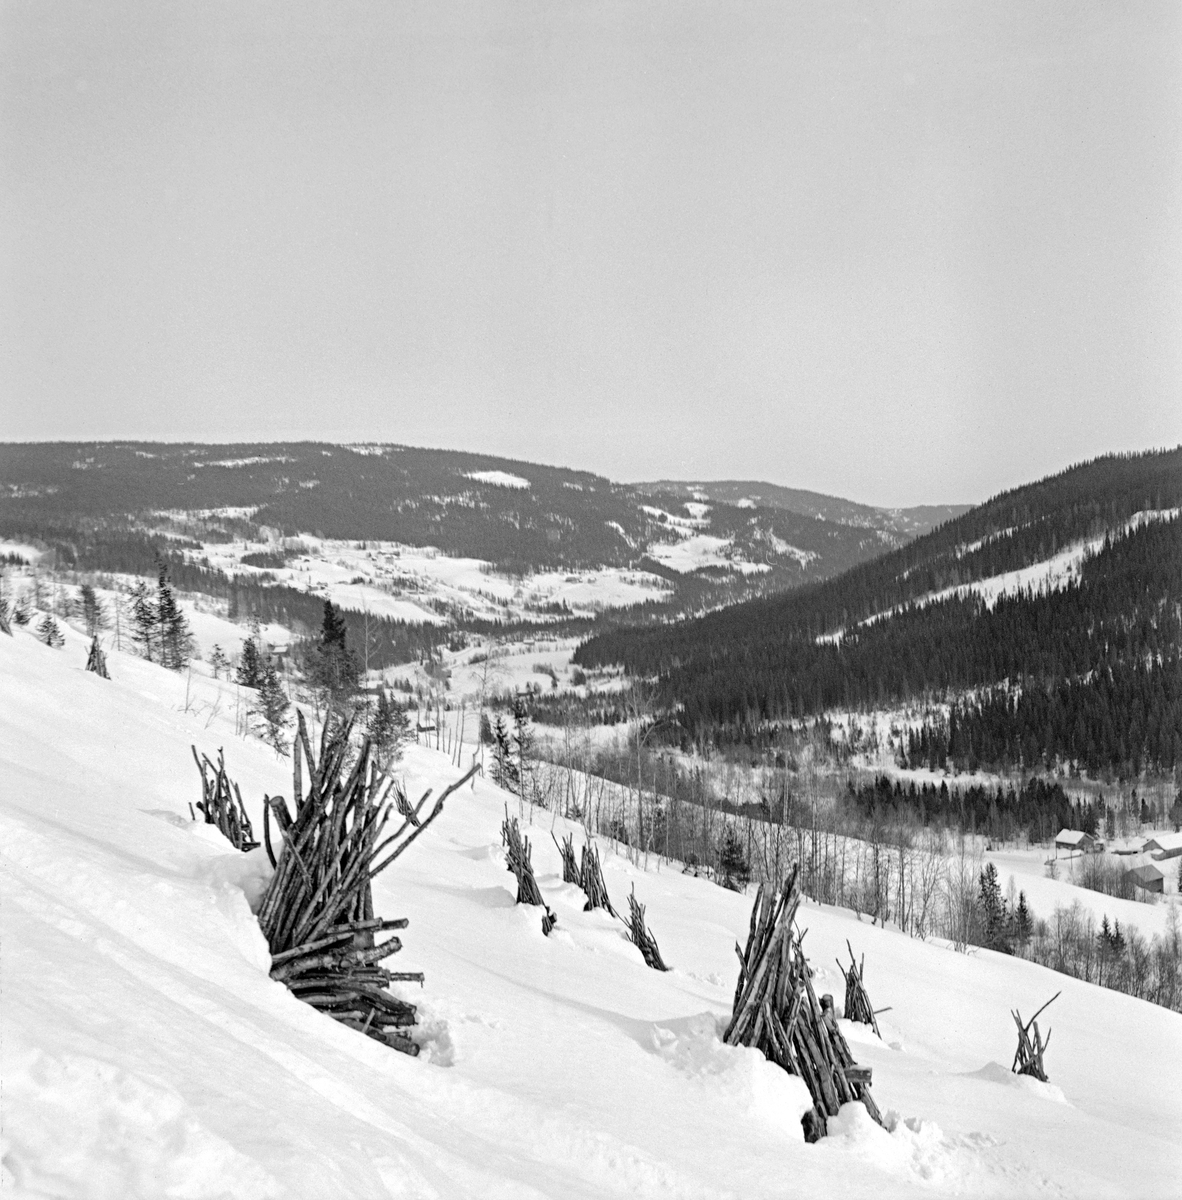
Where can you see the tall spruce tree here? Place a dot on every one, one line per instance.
(145, 621)
(176, 641)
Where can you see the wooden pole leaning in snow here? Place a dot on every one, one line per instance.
(776, 1010)
(1028, 1056)
(317, 912)
(517, 859)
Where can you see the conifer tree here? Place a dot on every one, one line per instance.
(334, 668)
(218, 661)
(144, 619)
(93, 613)
(387, 729)
(176, 641)
(251, 661)
(504, 769)
(50, 633)
(732, 862)
(271, 708)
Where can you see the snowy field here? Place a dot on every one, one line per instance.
(420, 585)
(146, 1053)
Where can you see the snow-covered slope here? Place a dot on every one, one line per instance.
(146, 1053)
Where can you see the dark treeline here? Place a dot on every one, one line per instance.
(1038, 809)
(1124, 717)
(759, 663)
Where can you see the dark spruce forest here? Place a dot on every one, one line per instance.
(1090, 672)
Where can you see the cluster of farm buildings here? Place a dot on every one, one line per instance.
(1145, 875)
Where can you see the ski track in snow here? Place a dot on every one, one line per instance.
(146, 1052)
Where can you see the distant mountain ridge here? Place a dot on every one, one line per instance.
(747, 493)
(516, 515)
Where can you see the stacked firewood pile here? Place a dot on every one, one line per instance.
(570, 865)
(1028, 1056)
(96, 660)
(857, 1001)
(518, 854)
(221, 801)
(317, 912)
(592, 881)
(640, 935)
(777, 1011)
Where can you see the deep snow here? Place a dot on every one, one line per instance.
(147, 1053)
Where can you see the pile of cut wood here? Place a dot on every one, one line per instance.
(857, 1001)
(317, 912)
(592, 881)
(221, 801)
(517, 859)
(641, 936)
(1028, 1056)
(777, 1011)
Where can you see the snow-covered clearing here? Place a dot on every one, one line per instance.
(146, 1053)
(700, 550)
(498, 478)
(413, 584)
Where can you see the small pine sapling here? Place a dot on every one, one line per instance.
(50, 632)
(218, 661)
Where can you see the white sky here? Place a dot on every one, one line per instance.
(898, 252)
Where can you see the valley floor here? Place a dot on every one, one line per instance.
(146, 1052)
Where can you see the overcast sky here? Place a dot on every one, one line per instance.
(898, 252)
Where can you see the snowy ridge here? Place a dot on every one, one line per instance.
(147, 1053)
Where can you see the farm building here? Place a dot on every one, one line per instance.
(1074, 840)
(1147, 877)
(1164, 845)
(1128, 846)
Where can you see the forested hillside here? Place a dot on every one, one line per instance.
(1082, 665)
(518, 516)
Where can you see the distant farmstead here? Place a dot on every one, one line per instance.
(1164, 845)
(1074, 840)
(1147, 877)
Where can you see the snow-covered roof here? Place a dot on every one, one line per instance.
(1169, 842)
(1072, 837)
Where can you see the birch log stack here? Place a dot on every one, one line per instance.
(777, 1011)
(317, 912)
